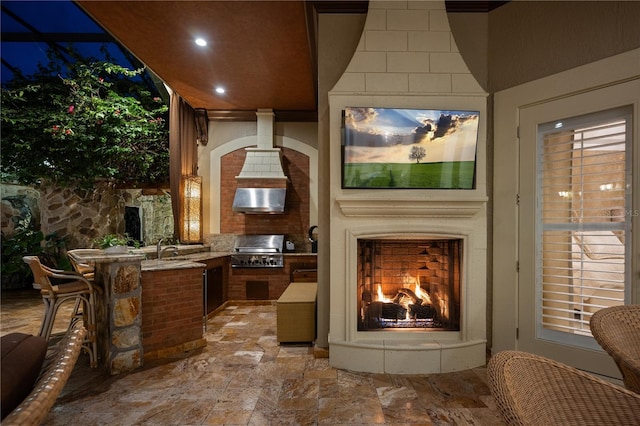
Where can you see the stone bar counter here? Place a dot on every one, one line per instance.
(154, 308)
(120, 306)
(118, 309)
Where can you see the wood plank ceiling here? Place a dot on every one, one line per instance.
(258, 51)
(261, 52)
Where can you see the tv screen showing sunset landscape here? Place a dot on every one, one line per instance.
(409, 148)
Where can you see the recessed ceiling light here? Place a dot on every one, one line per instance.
(201, 42)
(220, 90)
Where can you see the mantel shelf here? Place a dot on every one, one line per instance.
(411, 207)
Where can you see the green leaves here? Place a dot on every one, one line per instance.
(113, 240)
(78, 122)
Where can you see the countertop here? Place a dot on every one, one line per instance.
(185, 261)
(193, 260)
(181, 261)
(167, 264)
(194, 257)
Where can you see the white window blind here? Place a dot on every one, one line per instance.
(584, 187)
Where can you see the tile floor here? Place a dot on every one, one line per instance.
(243, 377)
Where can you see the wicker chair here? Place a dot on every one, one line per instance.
(58, 286)
(617, 330)
(55, 373)
(533, 390)
(87, 270)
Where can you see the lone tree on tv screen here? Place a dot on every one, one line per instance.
(417, 153)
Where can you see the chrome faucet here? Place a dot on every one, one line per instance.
(158, 248)
(174, 251)
(160, 251)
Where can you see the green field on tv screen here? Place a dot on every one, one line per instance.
(445, 175)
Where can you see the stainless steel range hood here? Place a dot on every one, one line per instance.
(259, 200)
(263, 188)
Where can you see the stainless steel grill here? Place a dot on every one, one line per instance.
(258, 251)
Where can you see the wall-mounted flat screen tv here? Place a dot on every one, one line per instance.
(409, 148)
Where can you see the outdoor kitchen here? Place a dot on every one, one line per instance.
(162, 304)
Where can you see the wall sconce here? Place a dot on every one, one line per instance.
(192, 210)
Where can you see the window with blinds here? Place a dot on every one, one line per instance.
(584, 190)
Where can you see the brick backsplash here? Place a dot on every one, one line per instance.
(294, 223)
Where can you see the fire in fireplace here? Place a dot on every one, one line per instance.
(409, 284)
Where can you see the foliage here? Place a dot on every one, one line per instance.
(113, 240)
(27, 241)
(83, 120)
(55, 248)
(417, 153)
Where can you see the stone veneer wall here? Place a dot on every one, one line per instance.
(119, 314)
(84, 215)
(157, 216)
(18, 202)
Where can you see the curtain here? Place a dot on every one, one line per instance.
(183, 155)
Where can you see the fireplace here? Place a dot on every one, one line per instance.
(408, 277)
(438, 245)
(409, 284)
(407, 68)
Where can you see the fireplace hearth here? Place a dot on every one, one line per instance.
(409, 284)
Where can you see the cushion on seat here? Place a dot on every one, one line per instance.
(20, 364)
(299, 293)
(71, 287)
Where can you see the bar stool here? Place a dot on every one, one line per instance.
(87, 270)
(69, 286)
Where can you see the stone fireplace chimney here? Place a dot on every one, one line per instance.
(407, 58)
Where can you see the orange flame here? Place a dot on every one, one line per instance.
(426, 299)
(381, 296)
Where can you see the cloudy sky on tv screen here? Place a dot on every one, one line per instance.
(387, 135)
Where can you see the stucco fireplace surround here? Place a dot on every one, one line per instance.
(461, 216)
(407, 58)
